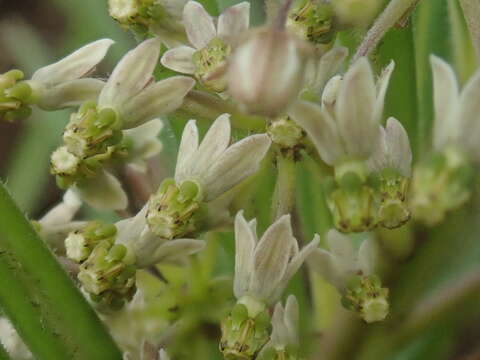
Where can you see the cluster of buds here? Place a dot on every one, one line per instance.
(203, 173)
(352, 273)
(371, 164)
(443, 181)
(263, 269)
(212, 45)
(123, 110)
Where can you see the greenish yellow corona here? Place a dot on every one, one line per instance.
(15, 96)
(174, 210)
(312, 20)
(393, 187)
(211, 64)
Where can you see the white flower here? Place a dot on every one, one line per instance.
(264, 267)
(211, 44)
(267, 71)
(150, 249)
(162, 355)
(319, 70)
(214, 165)
(457, 113)
(285, 325)
(393, 150)
(131, 92)
(12, 342)
(62, 84)
(351, 130)
(342, 261)
(144, 143)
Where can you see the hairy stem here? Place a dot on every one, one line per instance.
(284, 195)
(395, 11)
(471, 11)
(49, 313)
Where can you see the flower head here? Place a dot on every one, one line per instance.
(391, 162)
(264, 267)
(212, 44)
(345, 126)
(203, 173)
(352, 273)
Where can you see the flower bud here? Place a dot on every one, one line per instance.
(267, 71)
(356, 12)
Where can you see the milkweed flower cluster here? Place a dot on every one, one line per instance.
(243, 103)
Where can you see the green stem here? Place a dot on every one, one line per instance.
(471, 11)
(49, 313)
(284, 195)
(204, 105)
(395, 11)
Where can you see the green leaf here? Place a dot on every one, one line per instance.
(45, 307)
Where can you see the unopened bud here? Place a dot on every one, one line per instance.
(366, 296)
(173, 210)
(267, 70)
(312, 20)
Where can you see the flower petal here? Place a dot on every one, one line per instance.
(186, 151)
(271, 259)
(469, 117)
(179, 59)
(367, 256)
(75, 65)
(103, 192)
(382, 86)
(234, 21)
(328, 66)
(398, 144)
(341, 247)
(355, 108)
(445, 95)
(198, 24)
(244, 249)
(144, 139)
(322, 262)
(70, 93)
(131, 74)
(321, 129)
(156, 100)
(212, 147)
(296, 262)
(175, 249)
(237, 163)
(64, 212)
